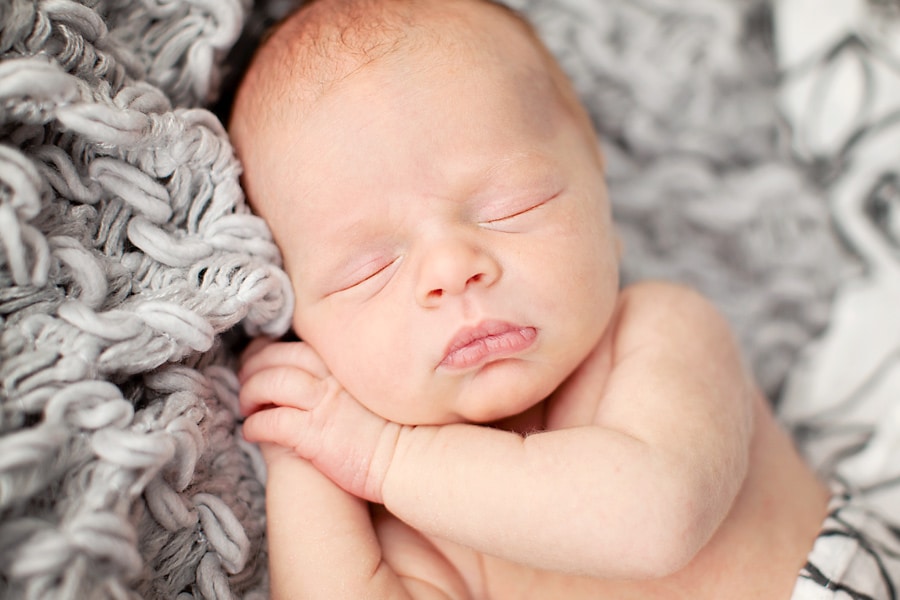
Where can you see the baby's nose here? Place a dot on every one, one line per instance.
(450, 268)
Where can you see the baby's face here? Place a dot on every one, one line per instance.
(445, 224)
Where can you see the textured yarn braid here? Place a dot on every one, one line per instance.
(126, 250)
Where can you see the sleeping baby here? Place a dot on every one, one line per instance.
(476, 408)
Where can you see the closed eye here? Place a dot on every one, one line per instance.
(519, 210)
(369, 273)
(517, 213)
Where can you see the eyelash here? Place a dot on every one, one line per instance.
(369, 276)
(516, 214)
(528, 208)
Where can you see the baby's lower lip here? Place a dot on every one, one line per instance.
(490, 347)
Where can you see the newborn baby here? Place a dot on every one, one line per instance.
(476, 409)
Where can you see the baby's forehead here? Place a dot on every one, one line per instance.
(327, 40)
(313, 54)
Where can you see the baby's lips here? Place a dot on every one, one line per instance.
(472, 346)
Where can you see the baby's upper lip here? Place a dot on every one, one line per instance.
(483, 330)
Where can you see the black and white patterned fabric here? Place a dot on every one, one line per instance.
(841, 96)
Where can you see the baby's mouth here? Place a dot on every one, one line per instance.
(487, 342)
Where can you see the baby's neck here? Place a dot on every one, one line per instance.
(530, 421)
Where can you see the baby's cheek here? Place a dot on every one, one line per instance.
(375, 379)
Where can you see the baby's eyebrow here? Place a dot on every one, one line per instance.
(344, 227)
(523, 167)
(512, 162)
(341, 255)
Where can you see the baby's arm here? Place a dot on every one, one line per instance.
(323, 542)
(633, 492)
(638, 490)
(319, 536)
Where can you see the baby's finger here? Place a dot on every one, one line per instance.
(255, 345)
(273, 452)
(280, 386)
(286, 354)
(280, 426)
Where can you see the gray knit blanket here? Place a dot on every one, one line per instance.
(131, 270)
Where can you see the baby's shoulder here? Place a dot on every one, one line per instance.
(656, 297)
(661, 310)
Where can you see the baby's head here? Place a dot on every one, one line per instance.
(437, 192)
(325, 41)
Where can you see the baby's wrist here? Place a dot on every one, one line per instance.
(384, 459)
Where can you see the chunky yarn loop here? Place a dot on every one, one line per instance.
(127, 250)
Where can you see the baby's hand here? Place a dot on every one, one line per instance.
(291, 399)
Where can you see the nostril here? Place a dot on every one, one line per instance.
(454, 285)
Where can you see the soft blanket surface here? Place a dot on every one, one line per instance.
(127, 251)
(129, 263)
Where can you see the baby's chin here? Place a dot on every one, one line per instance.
(517, 406)
(494, 415)
(503, 393)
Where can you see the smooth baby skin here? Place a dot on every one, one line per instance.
(469, 361)
(756, 552)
